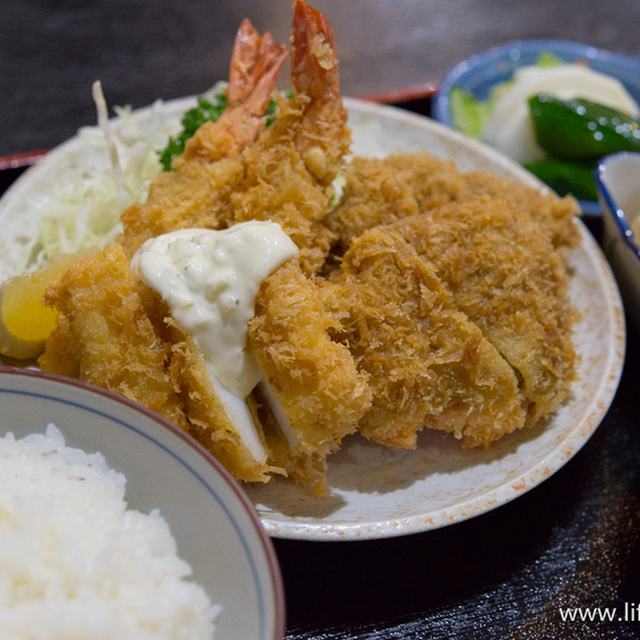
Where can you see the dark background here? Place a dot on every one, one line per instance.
(572, 541)
(52, 51)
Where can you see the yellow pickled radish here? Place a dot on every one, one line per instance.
(25, 321)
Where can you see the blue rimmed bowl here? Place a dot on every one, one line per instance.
(481, 72)
(215, 526)
(618, 184)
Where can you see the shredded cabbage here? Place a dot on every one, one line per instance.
(83, 208)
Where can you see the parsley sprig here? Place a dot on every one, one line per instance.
(207, 110)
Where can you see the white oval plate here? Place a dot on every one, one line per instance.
(379, 492)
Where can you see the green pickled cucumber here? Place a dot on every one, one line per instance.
(566, 178)
(580, 129)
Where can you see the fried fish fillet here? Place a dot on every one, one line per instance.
(505, 275)
(314, 379)
(104, 336)
(225, 425)
(117, 333)
(428, 364)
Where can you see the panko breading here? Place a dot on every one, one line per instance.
(104, 336)
(505, 275)
(116, 333)
(255, 65)
(195, 196)
(314, 379)
(444, 302)
(428, 364)
(279, 187)
(211, 421)
(556, 216)
(291, 166)
(379, 191)
(196, 193)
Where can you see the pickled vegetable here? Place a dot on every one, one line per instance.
(566, 177)
(580, 129)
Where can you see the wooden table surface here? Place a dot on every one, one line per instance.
(572, 541)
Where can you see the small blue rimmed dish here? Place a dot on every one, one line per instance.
(480, 73)
(618, 184)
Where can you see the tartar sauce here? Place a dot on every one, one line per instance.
(210, 280)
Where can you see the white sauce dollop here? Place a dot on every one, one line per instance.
(210, 280)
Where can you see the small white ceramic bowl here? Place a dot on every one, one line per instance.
(618, 183)
(215, 526)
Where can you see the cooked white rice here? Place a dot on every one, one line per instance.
(75, 563)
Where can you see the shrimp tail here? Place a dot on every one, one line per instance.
(323, 139)
(314, 64)
(255, 66)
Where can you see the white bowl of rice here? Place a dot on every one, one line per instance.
(115, 524)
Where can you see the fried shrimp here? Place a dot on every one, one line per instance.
(197, 192)
(291, 166)
(427, 364)
(322, 139)
(255, 65)
(195, 195)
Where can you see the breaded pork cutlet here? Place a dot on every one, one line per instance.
(428, 364)
(556, 216)
(505, 275)
(379, 191)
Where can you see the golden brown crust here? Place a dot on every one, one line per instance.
(428, 365)
(314, 378)
(196, 195)
(105, 337)
(381, 191)
(279, 186)
(505, 275)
